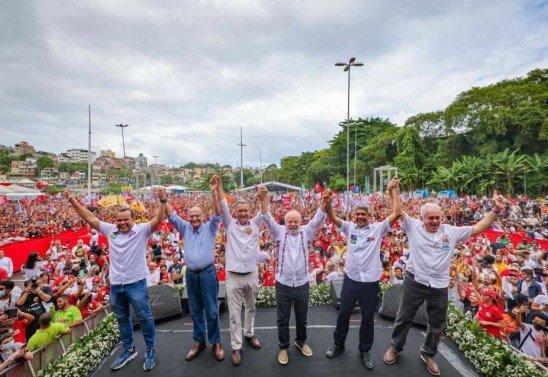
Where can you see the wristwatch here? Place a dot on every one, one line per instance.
(163, 201)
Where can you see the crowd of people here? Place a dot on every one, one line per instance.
(499, 283)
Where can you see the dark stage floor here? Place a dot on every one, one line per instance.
(174, 338)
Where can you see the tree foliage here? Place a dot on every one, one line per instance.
(488, 137)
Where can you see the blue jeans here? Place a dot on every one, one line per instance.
(202, 288)
(136, 295)
(367, 294)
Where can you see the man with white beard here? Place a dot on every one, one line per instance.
(292, 275)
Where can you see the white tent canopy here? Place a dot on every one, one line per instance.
(15, 191)
(273, 186)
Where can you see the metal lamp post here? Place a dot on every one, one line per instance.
(351, 63)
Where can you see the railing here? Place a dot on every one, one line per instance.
(521, 354)
(53, 350)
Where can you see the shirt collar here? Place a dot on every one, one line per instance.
(131, 232)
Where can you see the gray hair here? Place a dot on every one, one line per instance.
(292, 213)
(241, 201)
(428, 206)
(361, 206)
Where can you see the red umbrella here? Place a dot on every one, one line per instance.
(41, 184)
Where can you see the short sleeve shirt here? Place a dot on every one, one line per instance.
(430, 253)
(43, 337)
(72, 315)
(363, 262)
(490, 313)
(127, 252)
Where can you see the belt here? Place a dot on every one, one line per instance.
(200, 270)
(240, 273)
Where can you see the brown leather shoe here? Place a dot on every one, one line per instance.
(431, 365)
(195, 351)
(236, 357)
(219, 351)
(253, 342)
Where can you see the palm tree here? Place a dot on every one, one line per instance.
(509, 167)
(537, 171)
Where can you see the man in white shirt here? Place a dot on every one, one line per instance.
(153, 276)
(6, 263)
(292, 285)
(80, 249)
(363, 272)
(94, 241)
(532, 336)
(127, 274)
(431, 246)
(242, 274)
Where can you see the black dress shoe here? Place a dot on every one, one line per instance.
(366, 360)
(334, 351)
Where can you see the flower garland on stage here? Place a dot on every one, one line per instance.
(87, 353)
(489, 355)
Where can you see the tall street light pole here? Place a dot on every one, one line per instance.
(351, 63)
(155, 172)
(242, 145)
(122, 126)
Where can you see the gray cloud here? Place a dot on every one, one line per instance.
(187, 76)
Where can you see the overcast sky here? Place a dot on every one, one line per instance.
(185, 77)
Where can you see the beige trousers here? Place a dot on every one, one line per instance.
(241, 289)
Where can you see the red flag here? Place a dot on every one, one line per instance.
(318, 187)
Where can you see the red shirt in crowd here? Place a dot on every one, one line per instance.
(20, 328)
(269, 280)
(490, 313)
(221, 275)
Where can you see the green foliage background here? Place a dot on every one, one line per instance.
(491, 137)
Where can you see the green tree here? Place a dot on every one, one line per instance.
(510, 168)
(44, 162)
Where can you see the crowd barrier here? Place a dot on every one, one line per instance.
(537, 364)
(53, 350)
(19, 251)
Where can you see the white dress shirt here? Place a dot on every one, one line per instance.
(242, 241)
(430, 253)
(293, 250)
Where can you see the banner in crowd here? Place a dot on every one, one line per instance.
(515, 238)
(19, 251)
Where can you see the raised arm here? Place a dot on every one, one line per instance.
(220, 190)
(264, 198)
(213, 187)
(273, 227)
(499, 202)
(161, 212)
(82, 211)
(331, 211)
(312, 227)
(394, 196)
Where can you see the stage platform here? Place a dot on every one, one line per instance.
(174, 338)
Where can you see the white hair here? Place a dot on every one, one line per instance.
(290, 214)
(429, 206)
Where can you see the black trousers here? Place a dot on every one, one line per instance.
(285, 297)
(367, 294)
